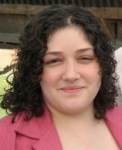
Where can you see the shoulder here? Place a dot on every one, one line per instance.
(7, 134)
(114, 122)
(6, 125)
(5, 121)
(114, 115)
(115, 112)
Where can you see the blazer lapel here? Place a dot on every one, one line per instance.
(41, 129)
(49, 141)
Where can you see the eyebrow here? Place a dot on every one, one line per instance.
(77, 51)
(85, 49)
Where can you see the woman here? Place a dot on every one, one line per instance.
(63, 92)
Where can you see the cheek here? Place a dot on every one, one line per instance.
(93, 75)
(50, 78)
(92, 71)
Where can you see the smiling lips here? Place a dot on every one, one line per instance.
(72, 89)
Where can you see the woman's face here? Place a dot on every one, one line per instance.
(71, 73)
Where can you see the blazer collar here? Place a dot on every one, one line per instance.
(113, 120)
(42, 129)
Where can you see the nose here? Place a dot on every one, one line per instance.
(71, 72)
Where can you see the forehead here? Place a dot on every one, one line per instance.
(68, 30)
(68, 39)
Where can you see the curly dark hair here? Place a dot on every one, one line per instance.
(25, 93)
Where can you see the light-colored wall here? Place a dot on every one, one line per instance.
(118, 56)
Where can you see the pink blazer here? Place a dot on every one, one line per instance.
(40, 133)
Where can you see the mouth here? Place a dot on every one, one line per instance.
(72, 89)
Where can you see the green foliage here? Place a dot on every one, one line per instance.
(3, 86)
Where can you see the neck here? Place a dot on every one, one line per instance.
(84, 120)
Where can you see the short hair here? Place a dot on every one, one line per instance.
(25, 93)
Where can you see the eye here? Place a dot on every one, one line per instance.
(55, 61)
(85, 59)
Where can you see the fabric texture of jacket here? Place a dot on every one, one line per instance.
(39, 133)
